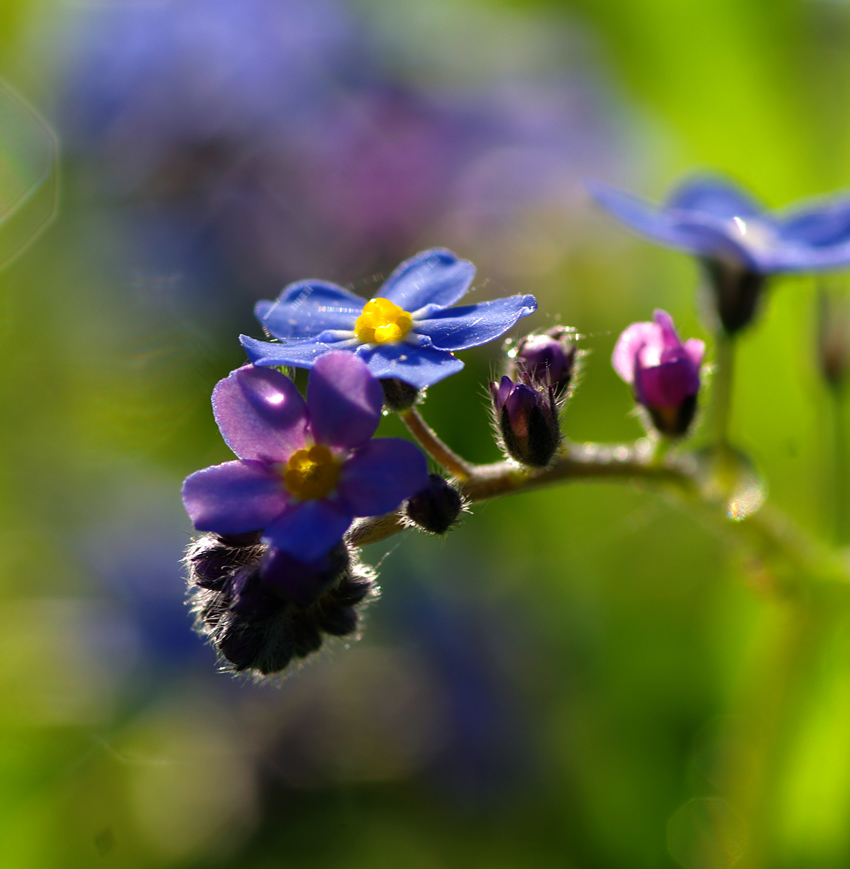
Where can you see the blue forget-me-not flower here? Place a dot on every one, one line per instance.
(305, 469)
(408, 332)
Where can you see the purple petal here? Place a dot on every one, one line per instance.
(433, 277)
(344, 401)
(667, 385)
(234, 497)
(502, 393)
(713, 197)
(667, 330)
(629, 344)
(306, 308)
(260, 413)
(695, 350)
(381, 475)
(300, 354)
(419, 366)
(469, 326)
(308, 530)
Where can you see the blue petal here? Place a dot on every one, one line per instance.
(344, 401)
(713, 197)
(469, 326)
(823, 226)
(647, 219)
(790, 257)
(435, 277)
(306, 308)
(308, 530)
(381, 475)
(702, 235)
(260, 413)
(300, 354)
(234, 497)
(732, 240)
(418, 366)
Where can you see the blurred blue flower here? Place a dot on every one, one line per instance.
(305, 469)
(240, 144)
(408, 332)
(736, 238)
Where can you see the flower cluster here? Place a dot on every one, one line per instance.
(278, 567)
(275, 572)
(305, 470)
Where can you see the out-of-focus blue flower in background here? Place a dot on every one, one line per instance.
(249, 144)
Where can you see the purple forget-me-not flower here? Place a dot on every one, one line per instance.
(663, 372)
(408, 332)
(305, 468)
(739, 242)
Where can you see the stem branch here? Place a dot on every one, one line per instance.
(428, 439)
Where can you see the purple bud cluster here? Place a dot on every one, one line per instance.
(250, 624)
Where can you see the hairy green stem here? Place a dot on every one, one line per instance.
(427, 438)
(784, 551)
(576, 462)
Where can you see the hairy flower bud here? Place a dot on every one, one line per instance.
(436, 507)
(527, 420)
(260, 609)
(548, 359)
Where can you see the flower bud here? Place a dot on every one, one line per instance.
(548, 359)
(663, 372)
(260, 609)
(527, 420)
(436, 507)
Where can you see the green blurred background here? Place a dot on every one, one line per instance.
(587, 676)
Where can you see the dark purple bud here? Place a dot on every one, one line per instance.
(664, 372)
(436, 507)
(260, 611)
(214, 558)
(527, 420)
(548, 359)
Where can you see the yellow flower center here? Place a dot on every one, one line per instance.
(311, 473)
(382, 322)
